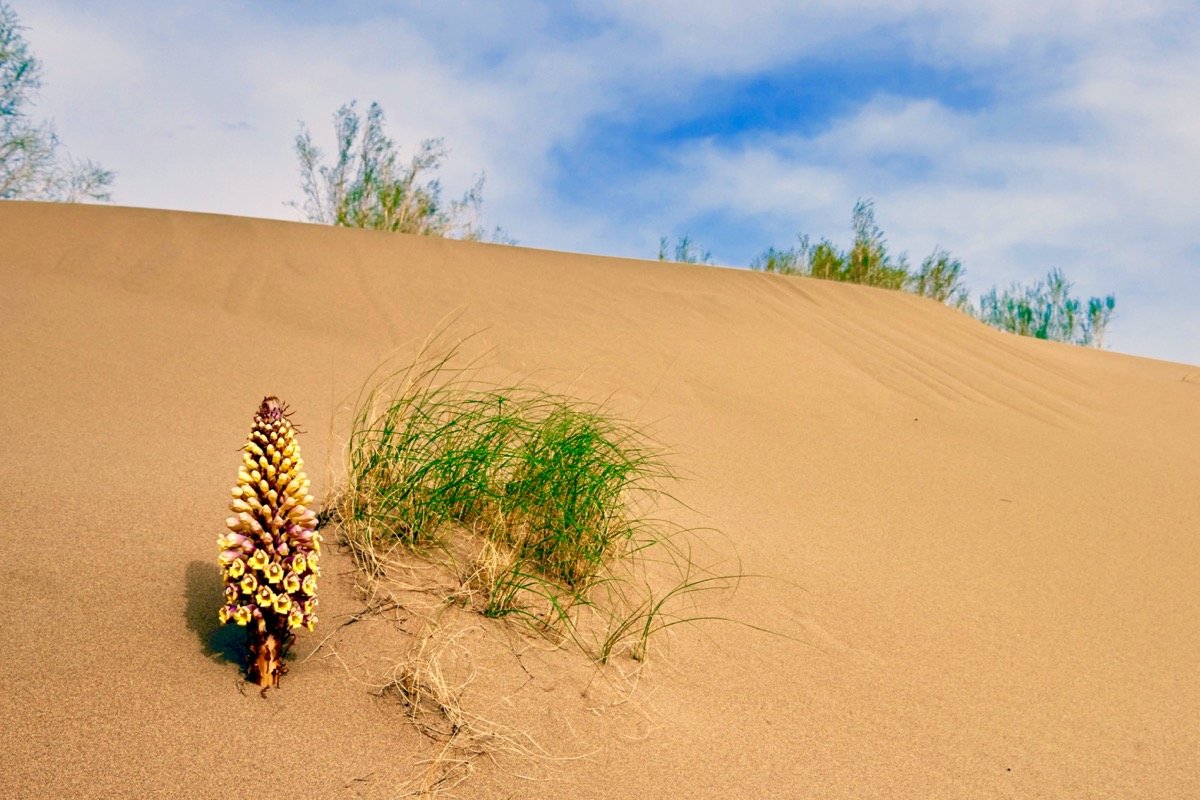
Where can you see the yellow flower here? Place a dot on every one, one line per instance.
(311, 622)
(274, 572)
(291, 583)
(309, 606)
(310, 584)
(283, 603)
(265, 597)
(235, 569)
(242, 615)
(231, 593)
(223, 614)
(314, 563)
(295, 618)
(249, 583)
(299, 564)
(259, 560)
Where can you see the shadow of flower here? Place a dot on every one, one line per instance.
(220, 642)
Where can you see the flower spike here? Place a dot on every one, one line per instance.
(272, 541)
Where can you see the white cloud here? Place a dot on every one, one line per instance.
(1091, 167)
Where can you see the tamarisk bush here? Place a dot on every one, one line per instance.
(270, 557)
(33, 164)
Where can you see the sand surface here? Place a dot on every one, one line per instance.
(983, 552)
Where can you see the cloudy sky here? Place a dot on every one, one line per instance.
(1022, 135)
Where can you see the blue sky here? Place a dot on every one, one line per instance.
(1020, 135)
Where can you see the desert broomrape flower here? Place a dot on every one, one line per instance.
(259, 560)
(272, 541)
(264, 597)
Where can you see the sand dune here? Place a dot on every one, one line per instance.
(983, 551)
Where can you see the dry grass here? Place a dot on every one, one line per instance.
(430, 683)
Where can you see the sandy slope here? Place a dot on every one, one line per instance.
(986, 550)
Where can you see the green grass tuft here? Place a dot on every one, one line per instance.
(537, 499)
